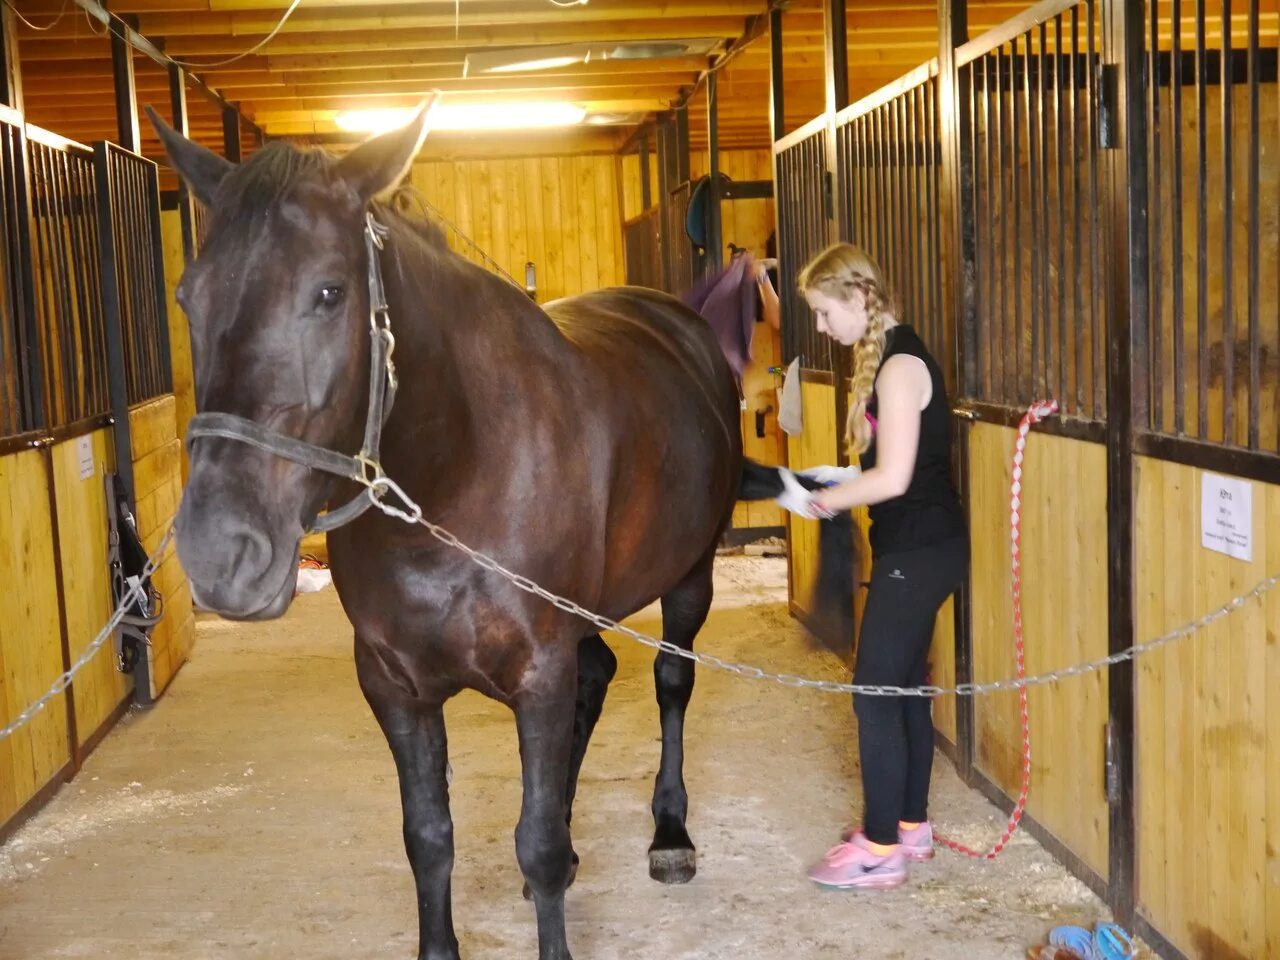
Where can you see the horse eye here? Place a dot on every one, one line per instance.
(330, 296)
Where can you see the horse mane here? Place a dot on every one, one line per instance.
(258, 183)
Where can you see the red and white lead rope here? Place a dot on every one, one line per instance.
(1035, 413)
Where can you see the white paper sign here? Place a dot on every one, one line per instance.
(84, 449)
(1226, 516)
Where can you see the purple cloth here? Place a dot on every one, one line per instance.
(729, 302)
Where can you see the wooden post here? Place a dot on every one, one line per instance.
(1127, 319)
(126, 92)
(178, 101)
(231, 133)
(835, 49)
(646, 191)
(682, 145)
(11, 82)
(714, 257)
(777, 110)
(956, 209)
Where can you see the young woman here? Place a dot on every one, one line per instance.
(900, 427)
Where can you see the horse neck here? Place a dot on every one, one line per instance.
(456, 328)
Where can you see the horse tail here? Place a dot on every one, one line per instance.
(830, 621)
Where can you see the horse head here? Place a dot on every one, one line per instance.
(279, 307)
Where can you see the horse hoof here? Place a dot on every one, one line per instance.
(573, 875)
(673, 866)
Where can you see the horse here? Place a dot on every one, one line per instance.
(593, 444)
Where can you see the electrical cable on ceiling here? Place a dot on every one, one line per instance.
(252, 50)
(17, 13)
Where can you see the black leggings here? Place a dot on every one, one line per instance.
(895, 734)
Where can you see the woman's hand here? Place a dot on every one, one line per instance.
(801, 502)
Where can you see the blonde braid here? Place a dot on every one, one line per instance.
(867, 353)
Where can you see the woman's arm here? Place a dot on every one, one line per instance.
(903, 388)
(769, 305)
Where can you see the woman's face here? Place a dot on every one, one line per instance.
(844, 321)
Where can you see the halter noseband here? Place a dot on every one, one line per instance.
(364, 468)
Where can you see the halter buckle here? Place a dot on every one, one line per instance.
(370, 471)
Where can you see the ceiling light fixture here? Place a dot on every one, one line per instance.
(464, 116)
(524, 59)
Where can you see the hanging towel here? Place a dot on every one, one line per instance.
(728, 301)
(789, 415)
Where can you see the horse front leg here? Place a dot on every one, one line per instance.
(416, 735)
(596, 668)
(544, 723)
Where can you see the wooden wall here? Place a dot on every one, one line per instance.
(561, 212)
(816, 445)
(1208, 726)
(30, 634)
(99, 688)
(184, 393)
(33, 618)
(1064, 591)
(157, 479)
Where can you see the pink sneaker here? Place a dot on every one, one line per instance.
(852, 866)
(916, 844)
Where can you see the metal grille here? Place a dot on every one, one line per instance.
(641, 240)
(17, 411)
(67, 286)
(887, 168)
(130, 209)
(1211, 355)
(1036, 205)
(199, 219)
(803, 202)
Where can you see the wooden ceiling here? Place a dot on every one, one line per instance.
(336, 55)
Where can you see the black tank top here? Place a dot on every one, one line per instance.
(929, 512)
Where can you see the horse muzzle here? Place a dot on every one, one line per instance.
(237, 569)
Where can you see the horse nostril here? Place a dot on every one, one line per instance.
(251, 554)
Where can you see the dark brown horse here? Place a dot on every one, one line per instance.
(593, 446)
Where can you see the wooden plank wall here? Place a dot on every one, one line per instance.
(157, 477)
(30, 634)
(1208, 726)
(1064, 590)
(562, 213)
(815, 445)
(99, 688)
(184, 393)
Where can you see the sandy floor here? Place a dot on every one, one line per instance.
(253, 813)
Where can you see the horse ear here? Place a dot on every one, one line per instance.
(378, 165)
(202, 169)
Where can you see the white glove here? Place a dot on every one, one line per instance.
(829, 475)
(797, 499)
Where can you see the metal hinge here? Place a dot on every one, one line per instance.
(1111, 768)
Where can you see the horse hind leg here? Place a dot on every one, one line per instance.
(672, 856)
(596, 667)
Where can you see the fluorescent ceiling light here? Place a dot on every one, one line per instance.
(464, 116)
(545, 63)
(524, 59)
